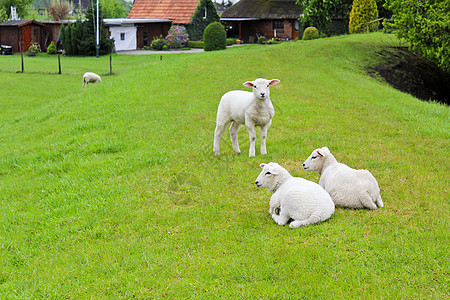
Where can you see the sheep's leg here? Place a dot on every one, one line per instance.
(220, 128)
(379, 202)
(314, 218)
(367, 201)
(252, 136)
(274, 205)
(263, 138)
(281, 219)
(234, 128)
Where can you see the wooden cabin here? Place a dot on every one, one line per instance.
(21, 33)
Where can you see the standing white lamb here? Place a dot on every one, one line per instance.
(90, 77)
(249, 108)
(347, 187)
(294, 198)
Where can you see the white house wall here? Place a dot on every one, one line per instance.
(124, 37)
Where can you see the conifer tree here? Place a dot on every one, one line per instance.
(363, 11)
(205, 14)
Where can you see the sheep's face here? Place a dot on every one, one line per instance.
(261, 87)
(315, 161)
(267, 176)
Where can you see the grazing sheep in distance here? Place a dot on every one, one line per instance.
(301, 200)
(347, 187)
(249, 108)
(90, 77)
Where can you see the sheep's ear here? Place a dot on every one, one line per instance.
(262, 165)
(248, 84)
(274, 81)
(320, 154)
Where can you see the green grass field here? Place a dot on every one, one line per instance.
(114, 191)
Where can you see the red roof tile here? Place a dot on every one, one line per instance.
(180, 11)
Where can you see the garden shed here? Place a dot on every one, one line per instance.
(250, 19)
(130, 34)
(21, 33)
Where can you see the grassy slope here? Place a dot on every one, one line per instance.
(115, 191)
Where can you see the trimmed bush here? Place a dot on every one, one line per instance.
(262, 40)
(310, 33)
(363, 11)
(214, 37)
(51, 49)
(231, 41)
(195, 44)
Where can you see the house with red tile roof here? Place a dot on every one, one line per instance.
(180, 11)
(194, 15)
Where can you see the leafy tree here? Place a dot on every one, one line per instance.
(363, 11)
(425, 24)
(319, 13)
(20, 5)
(113, 9)
(3, 15)
(205, 14)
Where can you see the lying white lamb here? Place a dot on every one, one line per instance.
(294, 198)
(90, 77)
(347, 187)
(249, 108)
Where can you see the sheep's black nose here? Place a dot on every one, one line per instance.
(256, 182)
(263, 94)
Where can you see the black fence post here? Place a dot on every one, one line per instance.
(59, 64)
(110, 65)
(21, 55)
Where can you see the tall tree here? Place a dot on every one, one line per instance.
(363, 12)
(205, 14)
(425, 24)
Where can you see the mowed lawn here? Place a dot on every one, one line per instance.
(114, 191)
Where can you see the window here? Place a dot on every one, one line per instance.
(205, 16)
(145, 39)
(122, 36)
(278, 25)
(35, 35)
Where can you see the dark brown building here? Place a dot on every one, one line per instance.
(21, 33)
(250, 19)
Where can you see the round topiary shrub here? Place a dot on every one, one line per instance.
(311, 33)
(262, 40)
(51, 49)
(214, 37)
(363, 11)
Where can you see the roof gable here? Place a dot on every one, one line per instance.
(180, 11)
(20, 23)
(263, 9)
